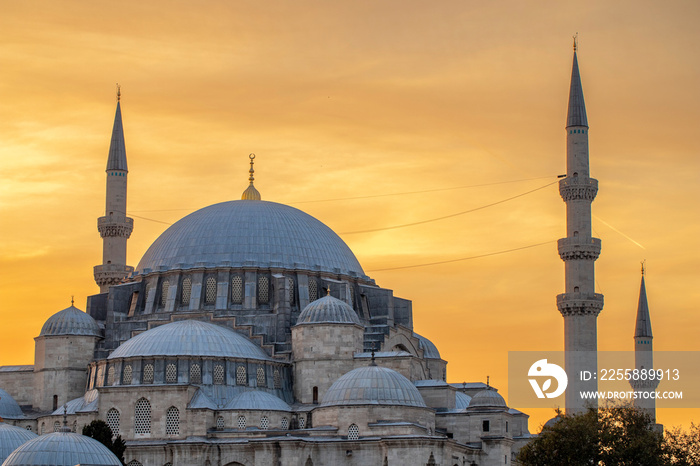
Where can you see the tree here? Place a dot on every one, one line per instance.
(683, 448)
(100, 431)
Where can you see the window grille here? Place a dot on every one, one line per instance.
(353, 432)
(302, 421)
(148, 373)
(220, 423)
(261, 377)
(276, 379)
(113, 421)
(110, 376)
(290, 286)
(134, 463)
(241, 378)
(237, 290)
(43, 428)
(170, 373)
(263, 290)
(210, 295)
(313, 290)
(142, 417)
(186, 290)
(285, 423)
(241, 422)
(56, 426)
(264, 423)
(172, 421)
(219, 374)
(195, 373)
(126, 377)
(164, 292)
(168, 464)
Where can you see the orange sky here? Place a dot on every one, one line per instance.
(362, 98)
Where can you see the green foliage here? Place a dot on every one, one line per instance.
(616, 435)
(100, 431)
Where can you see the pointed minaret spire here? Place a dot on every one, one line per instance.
(577, 107)
(117, 149)
(251, 194)
(643, 324)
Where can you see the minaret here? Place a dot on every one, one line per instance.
(115, 227)
(644, 354)
(579, 304)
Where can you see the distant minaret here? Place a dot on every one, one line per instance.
(580, 304)
(115, 227)
(644, 353)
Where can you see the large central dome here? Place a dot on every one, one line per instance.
(250, 234)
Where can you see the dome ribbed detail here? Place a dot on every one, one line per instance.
(70, 321)
(9, 409)
(250, 234)
(488, 398)
(430, 351)
(190, 338)
(328, 310)
(256, 400)
(373, 385)
(462, 400)
(11, 437)
(62, 449)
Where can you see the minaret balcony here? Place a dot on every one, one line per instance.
(574, 188)
(578, 248)
(580, 303)
(111, 274)
(115, 226)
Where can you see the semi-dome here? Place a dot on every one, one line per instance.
(462, 400)
(190, 338)
(11, 437)
(257, 400)
(488, 398)
(62, 449)
(373, 385)
(9, 409)
(70, 321)
(250, 233)
(328, 310)
(430, 351)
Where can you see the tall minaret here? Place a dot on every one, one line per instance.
(644, 354)
(115, 227)
(579, 304)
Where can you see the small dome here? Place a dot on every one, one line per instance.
(462, 400)
(12, 437)
(550, 424)
(373, 385)
(430, 351)
(9, 409)
(488, 398)
(190, 338)
(70, 321)
(62, 449)
(328, 310)
(256, 400)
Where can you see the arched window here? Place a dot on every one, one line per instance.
(219, 374)
(55, 402)
(263, 289)
(148, 373)
(313, 290)
(56, 426)
(29, 428)
(353, 432)
(220, 423)
(210, 294)
(186, 290)
(285, 423)
(261, 377)
(113, 421)
(241, 377)
(126, 376)
(43, 428)
(302, 421)
(195, 373)
(75, 426)
(237, 290)
(164, 287)
(576, 289)
(315, 395)
(142, 417)
(264, 423)
(110, 376)
(276, 379)
(309, 462)
(170, 373)
(172, 421)
(241, 422)
(290, 287)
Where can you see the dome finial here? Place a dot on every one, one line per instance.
(251, 194)
(72, 300)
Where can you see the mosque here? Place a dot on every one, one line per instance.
(249, 334)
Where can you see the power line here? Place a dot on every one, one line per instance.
(463, 258)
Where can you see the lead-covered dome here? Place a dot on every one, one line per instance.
(373, 385)
(256, 400)
(328, 310)
(251, 234)
(488, 398)
(70, 321)
(190, 338)
(430, 351)
(12, 437)
(62, 449)
(9, 409)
